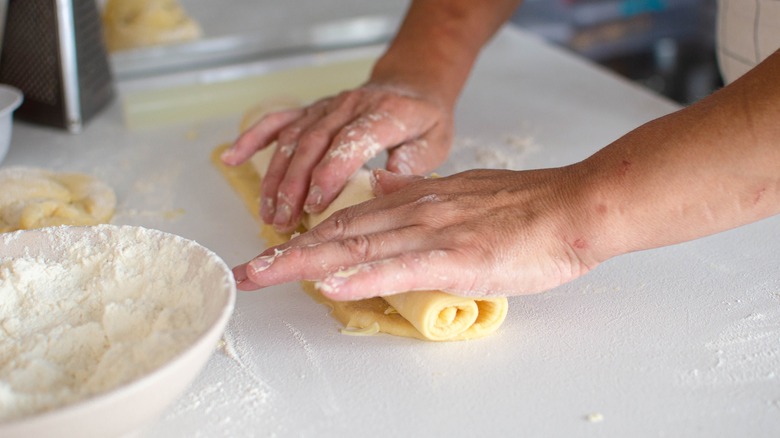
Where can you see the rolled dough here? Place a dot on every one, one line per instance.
(427, 315)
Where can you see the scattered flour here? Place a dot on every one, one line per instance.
(746, 351)
(106, 310)
(512, 153)
(156, 191)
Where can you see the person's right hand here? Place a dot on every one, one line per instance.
(477, 233)
(320, 146)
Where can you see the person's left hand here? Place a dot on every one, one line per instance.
(478, 233)
(320, 146)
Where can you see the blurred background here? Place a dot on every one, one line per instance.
(666, 45)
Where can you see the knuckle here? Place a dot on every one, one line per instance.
(430, 210)
(318, 106)
(359, 247)
(315, 136)
(273, 118)
(289, 134)
(349, 97)
(333, 229)
(388, 103)
(273, 176)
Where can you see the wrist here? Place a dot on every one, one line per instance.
(433, 81)
(602, 231)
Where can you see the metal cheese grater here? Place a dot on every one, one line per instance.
(53, 51)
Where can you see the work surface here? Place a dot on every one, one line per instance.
(680, 341)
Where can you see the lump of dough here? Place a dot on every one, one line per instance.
(35, 198)
(129, 24)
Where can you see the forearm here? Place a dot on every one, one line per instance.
(438, 43)
(707, 168)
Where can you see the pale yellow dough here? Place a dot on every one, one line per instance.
(427, 315)
(35, 198)
(129, 24)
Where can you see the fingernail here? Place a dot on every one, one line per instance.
(373, 179)
(227, 154)
(267, 208)
(260, 264)
(404, 169)
(345, 273)
(283, 215)
(329, 286)
(288, 149)
(239, 275)
(313, 200)
(332, 284)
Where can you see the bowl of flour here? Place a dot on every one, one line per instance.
(102, 327)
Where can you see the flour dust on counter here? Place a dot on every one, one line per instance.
(230, 390)
(155, 190)
(746, 351)
(510, 153)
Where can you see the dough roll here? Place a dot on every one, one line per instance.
(427, 315)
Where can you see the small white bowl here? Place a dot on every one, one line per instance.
(10, 99)
(134, 405)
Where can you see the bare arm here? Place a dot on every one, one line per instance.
(438, 43)
(707, 168)
(405, 108)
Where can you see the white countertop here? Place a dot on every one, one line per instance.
(680, 341)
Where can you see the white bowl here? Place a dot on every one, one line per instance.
(134, 405)
(10, 99)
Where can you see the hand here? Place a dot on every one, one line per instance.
(319, 147)
(479, 233)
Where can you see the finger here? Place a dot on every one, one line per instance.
(421, 155)
(386, 213)
(286, 145)
(242, 280)
(259, 136)
(384, 182)
(277, 169)
(314, 261)
(352, 147)
(294, 187)
(415, 157)
(427, 270)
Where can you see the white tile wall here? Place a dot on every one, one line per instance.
(748, 32)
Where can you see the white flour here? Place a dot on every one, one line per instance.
(104, 312)
(512, 153)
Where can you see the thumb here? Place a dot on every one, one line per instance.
(384, 182)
